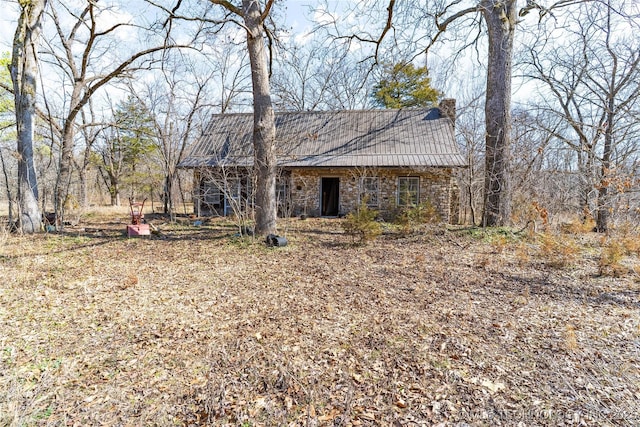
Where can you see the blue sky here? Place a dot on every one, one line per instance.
(295, 15)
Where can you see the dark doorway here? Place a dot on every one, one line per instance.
(329, 192)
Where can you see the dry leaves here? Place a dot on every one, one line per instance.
(199, 328)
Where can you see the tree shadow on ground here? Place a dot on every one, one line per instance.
(588, 293)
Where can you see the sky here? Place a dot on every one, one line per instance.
(295, 16)
(8, 21)
(298, 17)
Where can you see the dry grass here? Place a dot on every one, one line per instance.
(611, 257)
(198, 327)
(558, 251)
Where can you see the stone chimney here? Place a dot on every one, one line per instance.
(447, 108)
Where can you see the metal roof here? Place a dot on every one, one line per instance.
(366, 138)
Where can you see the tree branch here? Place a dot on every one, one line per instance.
(267, 10)
(387, 27)
(230, 7)
(442, 27)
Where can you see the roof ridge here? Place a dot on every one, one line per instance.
(358, 111)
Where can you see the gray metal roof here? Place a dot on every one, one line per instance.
(370, 138)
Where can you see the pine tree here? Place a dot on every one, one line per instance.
(404, 85)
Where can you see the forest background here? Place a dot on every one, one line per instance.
(430, 324)
(572, 96)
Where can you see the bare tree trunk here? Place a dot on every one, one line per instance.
(10, 201)
(500, 18)
(114, 195)
(168, 195)
(63, 183)
(604, 205)
(264, 131)
(603, 212)
(24, 74)
(84, 193)
(78, 53)
(585, 165)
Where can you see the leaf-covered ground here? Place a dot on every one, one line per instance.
(198, 327)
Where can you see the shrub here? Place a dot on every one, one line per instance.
(558, 252)
(610, 259)
(413, 216)
(631, 244)
(530, 212)
(586, 224)
(361, 224)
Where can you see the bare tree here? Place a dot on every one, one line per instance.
(24, 74)
(178, 102)
(469, 119)
(253, 17)
(91, 126)
(422, 24)
(112, 162)
(126, 143)
(298, 85)
(319, 75)
(7, 125)
(593, 80)
(8, 184)
(229, 64)
(542, 183)
(229, 191)
(80, 52)
(500, 18)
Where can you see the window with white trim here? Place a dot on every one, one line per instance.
(408, 191)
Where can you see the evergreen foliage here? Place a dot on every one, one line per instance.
(412, 217)
(404, 85)
(130, 140)
(135, 131)
(361, 224)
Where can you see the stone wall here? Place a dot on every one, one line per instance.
(436, 185)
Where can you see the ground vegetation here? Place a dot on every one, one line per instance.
(198, 326)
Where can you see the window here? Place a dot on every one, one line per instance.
(239, 192)
(283, 195)
(370, 187)
(211, 193)
(234, 188)
(408, 191)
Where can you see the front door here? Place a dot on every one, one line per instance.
(329, 196)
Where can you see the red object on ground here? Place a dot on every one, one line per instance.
(137, 227)
(138, 230)
(136, 211)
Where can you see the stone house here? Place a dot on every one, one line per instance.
(331, 160)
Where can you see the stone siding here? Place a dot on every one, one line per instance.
(436, 185)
